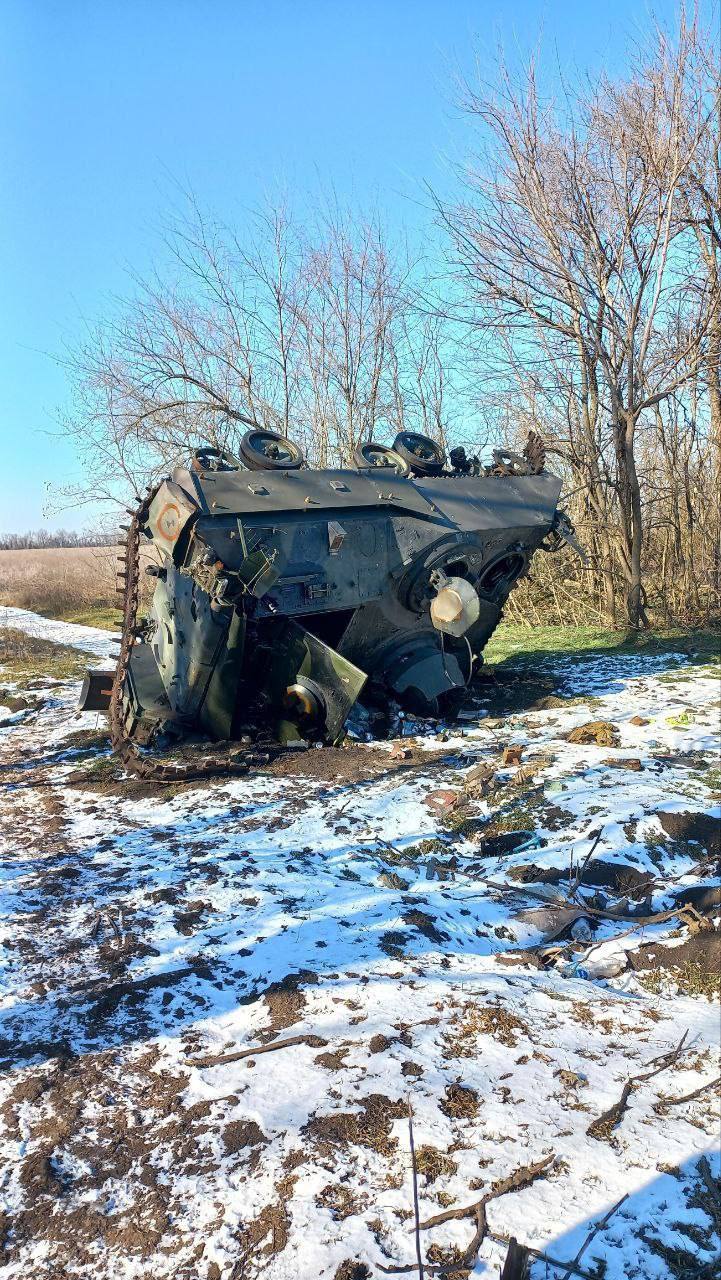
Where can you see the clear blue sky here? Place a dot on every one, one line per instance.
(104, 102)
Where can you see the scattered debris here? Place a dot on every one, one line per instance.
(623, 762)
(600, 732)
(443, 801)
(163, 945)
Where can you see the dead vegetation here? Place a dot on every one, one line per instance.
(28, 657)
(57, 580)
(76, 584)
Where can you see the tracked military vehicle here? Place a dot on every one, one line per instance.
(283, 594)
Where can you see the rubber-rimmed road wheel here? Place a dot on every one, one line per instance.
(379, 456)
(268, 451)
(424, 456)
(207, 459)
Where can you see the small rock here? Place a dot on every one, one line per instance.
(622, 762)
(639, 720)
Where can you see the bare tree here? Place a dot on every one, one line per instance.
(354, 299)
(566, 246)
(304, 331)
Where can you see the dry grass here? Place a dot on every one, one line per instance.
(692, 979)
(76, 584)
(23, 656)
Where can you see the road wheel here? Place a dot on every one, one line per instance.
(267, 451)
(424, 456)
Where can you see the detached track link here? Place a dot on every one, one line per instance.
(144, 766)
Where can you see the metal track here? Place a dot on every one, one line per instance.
(134, 761)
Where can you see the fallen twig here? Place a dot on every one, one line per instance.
(603, 1126)
(216, 1060)
(626, 933)
(521, 1178)
(575, 886)
(98, 920)
(661, 1106)
(571, 1267)
(410, 1267)
(600, 913)
(593, 1232)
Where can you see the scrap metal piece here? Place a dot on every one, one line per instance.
(169, 513)
(456, 607)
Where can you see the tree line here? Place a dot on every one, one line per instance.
(36, 539)
(572, 285)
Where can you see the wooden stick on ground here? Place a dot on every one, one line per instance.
(216, 1060)
(521, 1178)
(603, 1126)
(595, 1230)
(576, 884)
(661, 1106)
(571, 1267)
(416, 1212)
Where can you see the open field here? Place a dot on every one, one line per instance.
(222, 997)
(76, 584)
(59, 580)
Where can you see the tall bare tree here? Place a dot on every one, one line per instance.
(310, 331)
(567, 247)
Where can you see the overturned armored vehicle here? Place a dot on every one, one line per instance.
(284, 594)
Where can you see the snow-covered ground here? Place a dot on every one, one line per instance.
(150, 934)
